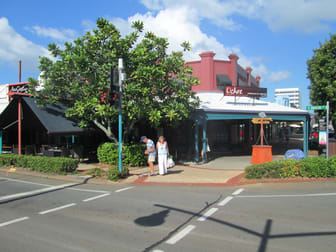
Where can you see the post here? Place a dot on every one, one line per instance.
(262, 132)
(196, 142)
(19, 125)
(305, 136)
(19, 70)
(204, 145)
(0, 141)
(327, 149)
(120, 68)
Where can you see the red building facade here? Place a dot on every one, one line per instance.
(214, 73)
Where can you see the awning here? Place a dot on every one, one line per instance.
(51, 117)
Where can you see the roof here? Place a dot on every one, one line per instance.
(52, 117)
(217, 102)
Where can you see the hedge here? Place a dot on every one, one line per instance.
(58, 165)
(133, 155)
(316, 167)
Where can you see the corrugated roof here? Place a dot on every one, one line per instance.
(217, 102)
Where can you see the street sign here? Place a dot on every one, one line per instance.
(322, 125)
(319, 107)
(258, 120)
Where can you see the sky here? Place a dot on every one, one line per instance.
(274, 37)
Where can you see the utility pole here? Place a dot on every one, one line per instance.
(121, 79)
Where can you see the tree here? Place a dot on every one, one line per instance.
(157, 89)
(322, 76)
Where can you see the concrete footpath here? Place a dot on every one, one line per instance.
(223, 171)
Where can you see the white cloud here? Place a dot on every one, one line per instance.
(182, 24)
(88, 25)
(300, 15)
(14, 47)
(279, 76)
(54, 33)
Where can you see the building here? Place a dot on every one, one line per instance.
(3, 97)
(293, 93)
(283, 100)
(230, 99)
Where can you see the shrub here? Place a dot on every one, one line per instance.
(133, 155)
(96, 172)
(332, 165)
(315, 167)
(289, 168)
(264, 170)
(114, 174)
(58, 165)
(307, 167)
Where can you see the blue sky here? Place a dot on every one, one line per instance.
(274, 37)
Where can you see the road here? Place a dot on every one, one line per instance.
(49, 215)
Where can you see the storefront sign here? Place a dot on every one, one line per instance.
(245, 91)
(18, 89)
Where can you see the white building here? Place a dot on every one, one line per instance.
(294, 95)
(3, 96)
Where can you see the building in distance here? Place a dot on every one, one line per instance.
(294, 94)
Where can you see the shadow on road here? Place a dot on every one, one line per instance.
(152, 220)
(264, 237)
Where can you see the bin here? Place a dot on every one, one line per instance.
(261, 154)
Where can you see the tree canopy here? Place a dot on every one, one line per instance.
(157, 89)
(322, 76)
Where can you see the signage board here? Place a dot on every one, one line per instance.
(18, 88)
(245, 91)
(322, 125)
(323, 137)
(319, 107)
(264, 120)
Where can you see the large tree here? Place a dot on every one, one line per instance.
(157, 89)
(322, 76)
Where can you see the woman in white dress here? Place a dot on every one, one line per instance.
(163, 152)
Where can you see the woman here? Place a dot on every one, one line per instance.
(163, 152)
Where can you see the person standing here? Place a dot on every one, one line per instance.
(163, 152)
(150, 151)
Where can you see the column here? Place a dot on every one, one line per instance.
(305, 137)
(204, 146)
(0, 141)
(196, 142)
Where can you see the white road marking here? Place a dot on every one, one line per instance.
(175, 238)
(225, 201)
(238, 191)
(288, 195)
(210, 212)
(124, 189)
(158, 250)
(97, 197)
(34, 192)
(13, 221)
(25, 182)
(87, 190)
(57, 208)
(34, 183)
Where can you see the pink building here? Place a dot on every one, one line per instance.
(214, 74)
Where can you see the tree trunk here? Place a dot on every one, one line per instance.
(107, 130)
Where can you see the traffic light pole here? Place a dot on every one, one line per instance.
(120, 68)
(327, 149)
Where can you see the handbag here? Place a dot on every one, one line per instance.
(171, 163)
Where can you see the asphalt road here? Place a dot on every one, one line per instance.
(58, 216)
